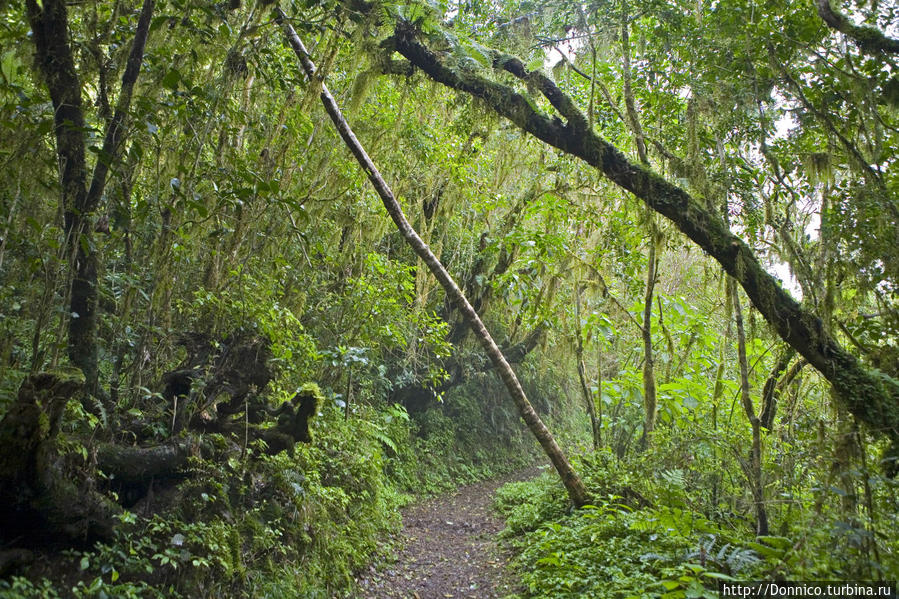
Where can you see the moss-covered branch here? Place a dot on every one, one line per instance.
(870, 40)
(871, 396)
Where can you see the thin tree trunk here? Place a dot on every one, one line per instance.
(629, 103)
(719, 390)
(770, 391)
(49, 23)
(598, 404)
(650, 402)
(755, 462)
(649, 378)
(573, 484)
(582, 368)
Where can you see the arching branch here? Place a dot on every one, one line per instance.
(870, 40)
(868, 394)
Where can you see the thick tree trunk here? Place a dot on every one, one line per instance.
(867, 393)
(49, 23)
(573, 484)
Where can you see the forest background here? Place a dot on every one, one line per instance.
(195, 272)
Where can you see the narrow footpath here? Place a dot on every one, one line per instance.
(449, 549)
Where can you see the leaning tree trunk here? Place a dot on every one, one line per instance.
(869, 394)
(573, 484)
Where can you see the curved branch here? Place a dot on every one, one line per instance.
(868, 394)
(868, 39)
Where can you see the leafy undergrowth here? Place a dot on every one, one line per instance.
(624, 546)
(258, 526)
(285, 526)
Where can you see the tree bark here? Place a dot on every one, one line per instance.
(869, 394)
(49, 23)
(573, 484)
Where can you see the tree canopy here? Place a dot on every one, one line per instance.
(670, 230)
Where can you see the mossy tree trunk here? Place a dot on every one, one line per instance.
(871, 396)
(650, 407)
(49, 24)
(573, 484)
(650, 401)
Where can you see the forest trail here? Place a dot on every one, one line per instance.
(449, 548)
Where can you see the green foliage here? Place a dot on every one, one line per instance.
(612, 549)
(307, 521)
(18, 587)
(234, 210)
(651, 536)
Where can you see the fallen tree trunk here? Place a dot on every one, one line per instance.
(573, 484)
(132, 465)
(867, 393)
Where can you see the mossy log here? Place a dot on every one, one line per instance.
(219, 379)
(139, 464)
(292, 426)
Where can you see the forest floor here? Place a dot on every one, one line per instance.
(448, 548)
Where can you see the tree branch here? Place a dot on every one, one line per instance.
(870, 395)
(870, 40)
(112, 140)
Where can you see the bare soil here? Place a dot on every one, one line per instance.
(449, 549)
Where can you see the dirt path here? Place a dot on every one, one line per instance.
(449, 549)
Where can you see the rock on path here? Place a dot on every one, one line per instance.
(449, 549)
